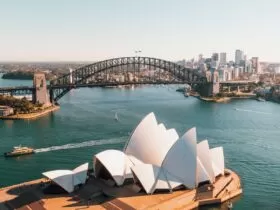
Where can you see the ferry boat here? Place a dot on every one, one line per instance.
(18, 151)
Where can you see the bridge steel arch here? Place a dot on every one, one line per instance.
(62, 85)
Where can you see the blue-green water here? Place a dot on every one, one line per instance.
(248, 130)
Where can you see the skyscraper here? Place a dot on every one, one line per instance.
(239, 56)
(215, 57)
(223, 58)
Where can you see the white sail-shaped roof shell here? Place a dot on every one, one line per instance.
(151, 177)
(64, 178)
(172, 135)
(180, 160)
(80, 174)
(147, 175)
(162, 127)
(204, 164)
(143, 136)
(149, 142)
(116, 163)
(68, 179)
(154, 178)
(218, 162)
(201, 173)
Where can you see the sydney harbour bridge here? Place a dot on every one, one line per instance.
(114, 72)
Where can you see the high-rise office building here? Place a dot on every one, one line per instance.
(256, 65)
(223, 58)
(215, 57)
(239, 56)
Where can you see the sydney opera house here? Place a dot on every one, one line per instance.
(158, 159)
(157, 169)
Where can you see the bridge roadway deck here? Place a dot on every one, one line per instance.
(103, 84)
(238, 82)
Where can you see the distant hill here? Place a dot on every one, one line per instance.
(22, 75)
(18, 75)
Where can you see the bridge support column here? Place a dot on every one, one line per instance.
(41, 94)
(51, 96)
(209, 89)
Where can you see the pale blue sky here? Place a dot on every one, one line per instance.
(75, 30)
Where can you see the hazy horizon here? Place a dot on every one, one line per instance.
(87, 31)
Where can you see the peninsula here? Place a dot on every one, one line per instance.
(12, 108)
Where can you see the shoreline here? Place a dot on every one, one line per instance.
(224, 99)
(30, 116)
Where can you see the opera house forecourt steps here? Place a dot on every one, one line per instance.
(157, 169)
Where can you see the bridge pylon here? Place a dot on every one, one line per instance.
(40, 94)
(212, 87)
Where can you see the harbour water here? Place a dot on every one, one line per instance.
(247, 129)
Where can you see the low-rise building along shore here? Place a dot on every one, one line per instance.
(6, 111)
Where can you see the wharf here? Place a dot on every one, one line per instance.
(97, 195)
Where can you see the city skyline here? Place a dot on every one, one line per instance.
(172, 30)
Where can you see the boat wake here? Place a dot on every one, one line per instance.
(247, 110)
(82, 144)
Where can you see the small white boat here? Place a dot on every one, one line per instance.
(260, 99)
(116, 116)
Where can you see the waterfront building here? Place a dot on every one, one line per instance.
(157, 159)
(239, 56)
(6, 111)
(223, 58)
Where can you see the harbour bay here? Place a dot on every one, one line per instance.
(248, 130)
